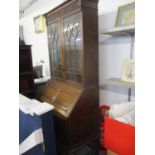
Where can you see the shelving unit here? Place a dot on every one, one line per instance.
(117, 82)
(25, 73)
(121, 31)
(26, 83)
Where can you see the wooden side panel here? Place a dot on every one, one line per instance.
(82, 125)
(90, 4)
(90, 42)
(83, 122)
(61, 132)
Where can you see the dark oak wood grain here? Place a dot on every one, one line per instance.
(76, 102)
(26, 83)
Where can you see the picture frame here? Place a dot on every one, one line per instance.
(39, 23)
(128, 70)
(125, 15)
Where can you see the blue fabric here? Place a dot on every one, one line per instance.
(49, 134)
(27, 125)
(37, 150)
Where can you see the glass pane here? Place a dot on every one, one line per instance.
(55, 52)
(72, 42)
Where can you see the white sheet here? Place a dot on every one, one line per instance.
(32, 107)
(124, 112)
(34, 139)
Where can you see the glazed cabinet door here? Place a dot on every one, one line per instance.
(54, 39)
(72, 47)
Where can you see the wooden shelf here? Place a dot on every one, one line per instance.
(25, 73)
(121, 31)
(26, 83)
(117, 82)
(27, 91)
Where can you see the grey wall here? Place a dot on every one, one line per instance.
(112, 52)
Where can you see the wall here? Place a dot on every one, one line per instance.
(112, 50)
(37, 40)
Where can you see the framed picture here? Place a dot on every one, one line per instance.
(128, 70)
(39, 23)
(126, 15)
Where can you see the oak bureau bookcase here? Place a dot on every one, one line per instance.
(73, 90)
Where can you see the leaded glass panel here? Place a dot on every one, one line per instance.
(55, 51)
(72, 47)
